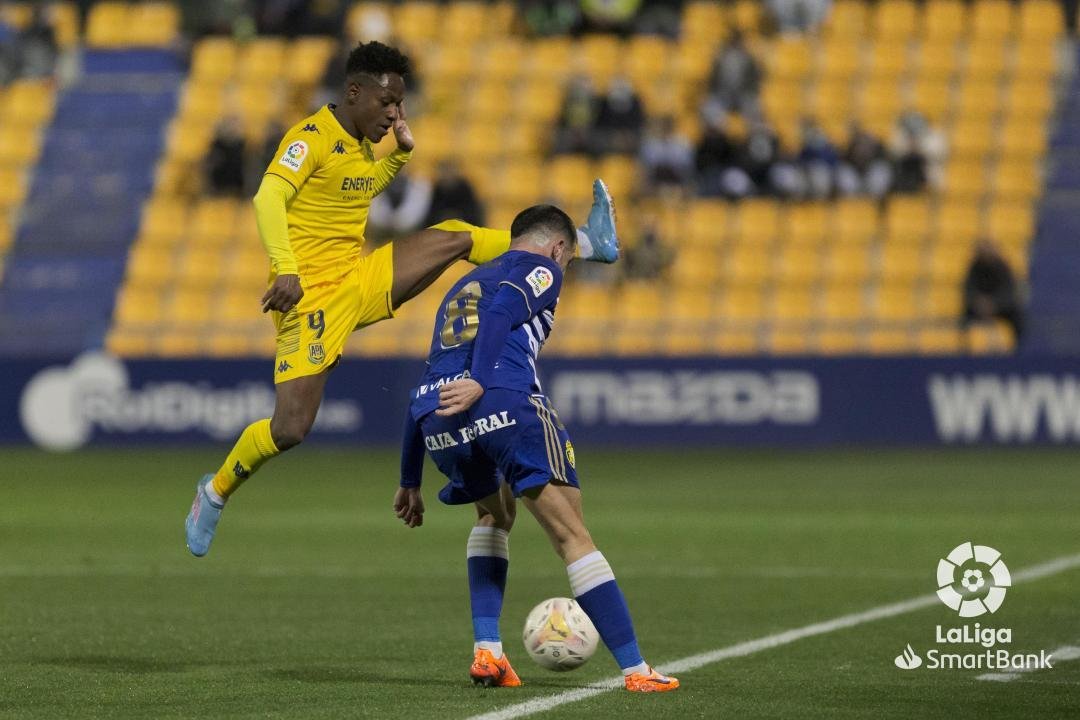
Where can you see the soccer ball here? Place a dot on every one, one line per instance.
(559, 635)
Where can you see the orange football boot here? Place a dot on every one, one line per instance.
(489, 672)
(653, 682)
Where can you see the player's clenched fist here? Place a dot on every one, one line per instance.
(409, 506)
(283, 294)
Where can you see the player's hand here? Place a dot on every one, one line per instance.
(458, 396)
(409, 506)
(402, 133)
(283, 294)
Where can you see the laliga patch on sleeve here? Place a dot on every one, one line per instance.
(540, 279)
(294, 155)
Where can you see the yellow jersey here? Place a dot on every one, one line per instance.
(335, 177)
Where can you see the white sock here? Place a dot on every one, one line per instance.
(494, 647)
(589, 572)
(643, 668)
(214, 497)
(488, 542)
(584, 245)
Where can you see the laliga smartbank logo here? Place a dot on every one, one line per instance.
(972, 581)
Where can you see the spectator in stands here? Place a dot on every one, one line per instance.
(917, 151)
(620, 119)
(37, 46)
(734, 80)
(818, 160)
(545, 18)
(798, 16)
(259, 160)
(574, 132)
(771, 170)
(991, 290)
(225, 160)
(649, 258)
(715, 160)
(666, 156)
(609, 16)
(659, 17)
(400, 208)
(865, 168)
(452, 196)
(293, 18)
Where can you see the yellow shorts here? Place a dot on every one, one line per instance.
(311, 336)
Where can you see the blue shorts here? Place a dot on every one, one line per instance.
(508, 433)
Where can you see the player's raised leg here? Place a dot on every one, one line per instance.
(296, 405)
(558, 510)
(488, 558)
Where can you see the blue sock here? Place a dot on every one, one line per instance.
(489, 559)
(595, 589)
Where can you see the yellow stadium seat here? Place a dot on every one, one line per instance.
(837, 341)
(971, 138)
(937, 60)
(28, 103)
(138, 306)
(896, 19)
(847, 19)
(944, 300)
(957, 221)
(791, 58)
(1041, 20)
(886, 341)
(262, 58)
(978, 99)
(855, 220)
(832, 99)
(681, 342)
(150, 266)
(1023, 138)
(1011, 223)
(237, 306)
(949, 260)
(1029, 99)
(939, 340)
(643, 55)
(1017, 179)
(794, 305)
(152, 24)
(64, 18)
(788, 341)
(985, 60)
(757, 220)
(128, 343)
(879, 104)
(806, 224)
(465, 21)
(107, 25)
(841, 59)
(369, 21)
(200, 268)
(703, 22)
(692, 60)
(214, 220)
(965, 178)
(502, 59)
(747, 263)
(642, 301)
(993, 19)
(944, 20)
(568, 177)
(690, 306)
(907, 218)
(638, 340)
(747, 16)
(601, 55)
(227, 343)
(799, 265)
(782, 100)
(164, 217)
(843, 302)
(550, 58)
(901, 261)
(178, 343)
(847, 263)
(308, 59)
(417, 23)
(619, 174)
(189, 307)
(696, 266)
(742, 303)
(736, 341)
(1034, 60)
(933, 98)
(888, 60)
(12, 188)
(540, 99)
(990, 339)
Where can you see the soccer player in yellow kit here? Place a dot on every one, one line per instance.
(311, 210)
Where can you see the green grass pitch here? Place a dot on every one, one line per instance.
(316, 603)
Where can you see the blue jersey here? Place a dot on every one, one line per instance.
(522, 285)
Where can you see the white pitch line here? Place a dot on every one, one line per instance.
(693, 662)
(1062, 654)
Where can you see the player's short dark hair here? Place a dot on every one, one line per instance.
(547, 219)
(374, 58)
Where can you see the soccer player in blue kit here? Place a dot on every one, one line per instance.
(480, 413)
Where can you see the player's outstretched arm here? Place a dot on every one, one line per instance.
(408, 502)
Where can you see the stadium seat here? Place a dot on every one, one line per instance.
(855, 220)
(837, 341)
(932, 97)
(896, 302)
(1023, 138)
(798, 265)
(757, 221)
(742, 303)
(971, 138)
(944, 20)
(847, 19)
(107, 25)
(888, 61)
(888, 341)
(806, 224)
(937, 60)
(791, 59)
(985, 60)
(949, 259)
(794, 305)
(901, 260)
(965, 178)
(1041, 20)
(152, 24)
(788, 341)
(957, 222)
(992, 19)
(703, 22)
(1011, 222)
(843, 302)
(907, 218)
(939, 340)
(847, 263)
(990, 339)
(895, 19)
(1017, 179)
(418, 23)
(944, 302)
(841, 59)
(1034, 60)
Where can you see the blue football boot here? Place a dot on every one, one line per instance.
(202, 520)
(600, 228)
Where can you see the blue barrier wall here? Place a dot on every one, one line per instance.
(99, 400)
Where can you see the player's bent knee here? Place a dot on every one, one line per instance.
(289, 433)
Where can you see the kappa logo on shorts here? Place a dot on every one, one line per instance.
(570, 455)
(284, 366)
(540, 279)
(294, 155)
(316, 354)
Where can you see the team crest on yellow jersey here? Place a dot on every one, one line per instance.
(570, 454)
(316, 354)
